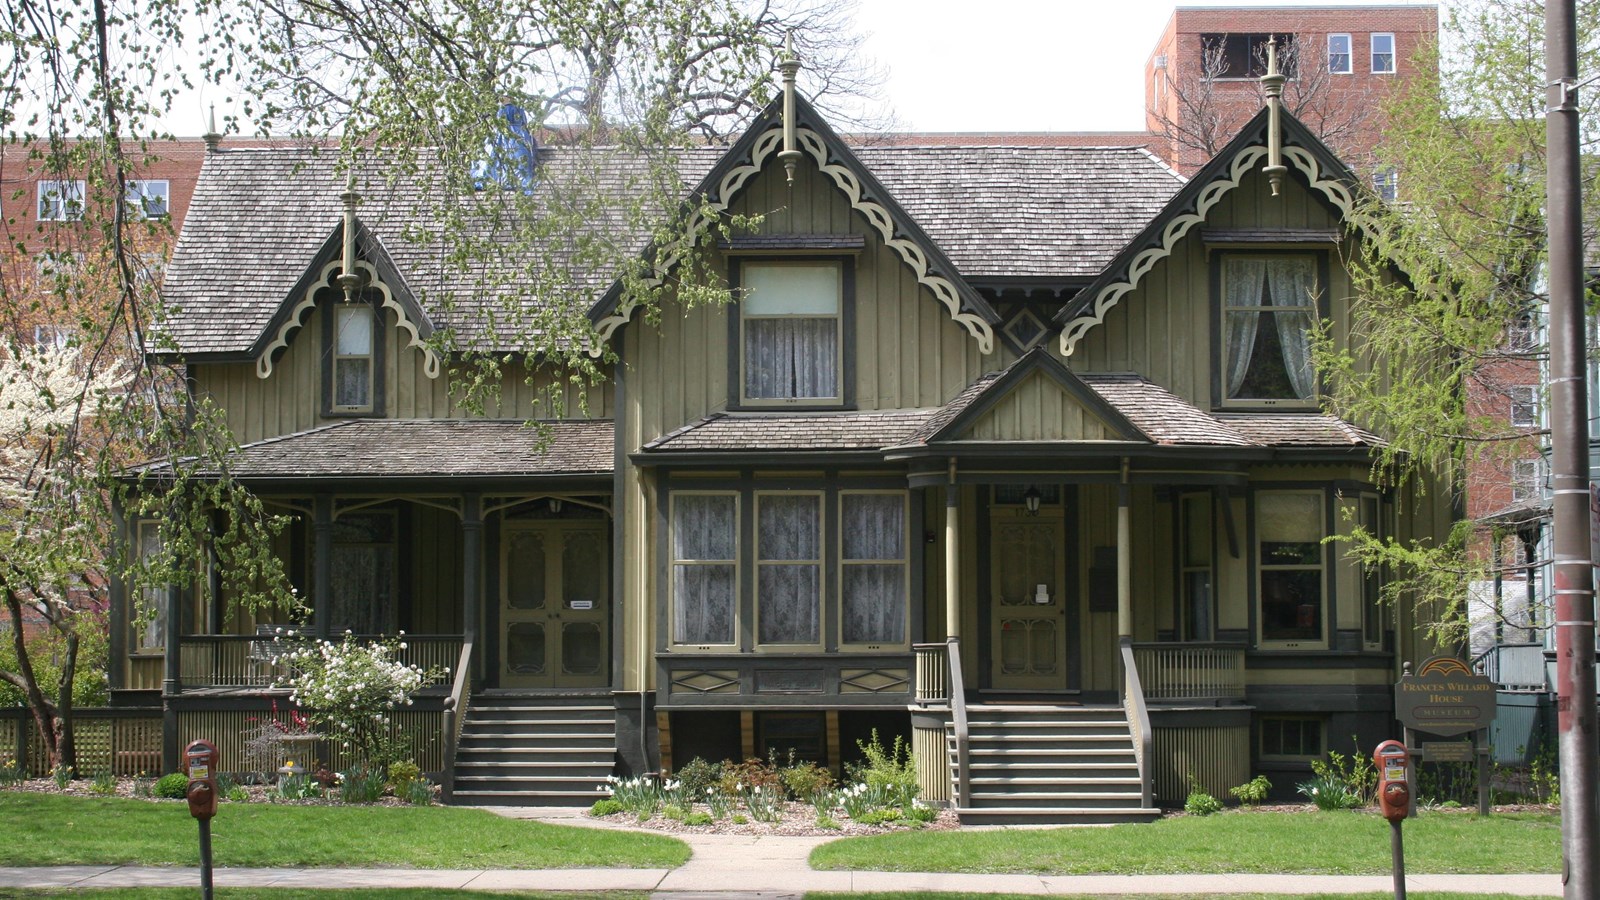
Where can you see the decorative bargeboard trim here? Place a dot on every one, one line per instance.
(430, 359)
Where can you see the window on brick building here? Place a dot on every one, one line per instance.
(1527, 479)
(1524, 405)
(1339, 54)
(1244, 55)
(1386, 182)
(1383, 54)
(148, 198)
(60, 201)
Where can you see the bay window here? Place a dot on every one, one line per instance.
(1269, 306)
(150, 631)
(873, 567)
(789, 568)
(1195, 531)
(1289, 559)
(705, 566)
(791, 332)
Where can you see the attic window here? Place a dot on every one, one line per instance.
(791, 331)
(353, 359)
(1023, 331)
(1269, 304)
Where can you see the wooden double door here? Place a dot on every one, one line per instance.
(1029, 601)
(555, 605)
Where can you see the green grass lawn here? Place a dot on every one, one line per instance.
(909, 895)
(224, 893)
(1334, 843)
(52, 830)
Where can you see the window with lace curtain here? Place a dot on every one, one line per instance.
(789, 568)
(873, 569)
(791, 332)
(353, 353)
(1269, 306)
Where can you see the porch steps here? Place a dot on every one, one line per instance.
(1046, 764)
(535, 750)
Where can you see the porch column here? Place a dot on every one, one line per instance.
(1124, 556)
(471, 560)
(173, 682)
(322, 567)
(952, 557)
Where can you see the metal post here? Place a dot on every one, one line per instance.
(1398, 850)
(1569, 477)
(205, 858)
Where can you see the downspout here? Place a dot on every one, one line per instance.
(1124, 556)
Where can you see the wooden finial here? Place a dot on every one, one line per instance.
(349, 279)
(213, 137)
(790, 66)
(1272, 85)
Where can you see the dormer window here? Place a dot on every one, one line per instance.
(1269, 305)
(791, 332)
(354, 360)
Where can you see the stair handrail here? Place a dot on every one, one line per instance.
(1138, 718)
(958, 713)
(455, 715)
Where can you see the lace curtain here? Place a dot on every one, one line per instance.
(789, 570)
(1242, 289)
(1282, 287)
(703, 547)
(872, 568)
(1291, 281)
(791, 358)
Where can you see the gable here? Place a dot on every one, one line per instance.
(1039, 408)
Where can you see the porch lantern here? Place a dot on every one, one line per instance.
(1030, 499)
(555, 506)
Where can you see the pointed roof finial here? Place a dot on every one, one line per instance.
(349, 279)
(789, 64)
(1272, 86)
(213, 138)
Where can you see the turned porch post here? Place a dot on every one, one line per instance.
(322, 567)
(1124, 557)
(471, 560)
(952, 558)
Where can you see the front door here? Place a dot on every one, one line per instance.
(555, 600)
(1027, 608)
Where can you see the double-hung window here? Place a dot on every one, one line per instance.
(1372, 610)
(60, 201)
(147, 198)
(873, 568)
(1289, 559)
(150, 633)
(789, 568)
(1195, 530)
(1339, 54)
(705, 568)
(1524, 405)
(1269, 306)
(791, 332)
(353, 359)
(1383, 54)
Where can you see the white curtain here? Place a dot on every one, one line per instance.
(791, 358)
(789, 533)
(1241, 284)
(1292, 281)
(703, 531)
(873, 568)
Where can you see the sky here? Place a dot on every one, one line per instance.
(1023, 65)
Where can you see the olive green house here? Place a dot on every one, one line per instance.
(1013, 451)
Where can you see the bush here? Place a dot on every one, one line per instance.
(741, 778)
(891, 773)
(697, 776)
(1354, 773)
(923, 814)
(238, 794)
(804, 781)
(1200, 803)
(697, 818)
(173, 787)
(401, 774)
(418, 793)
(361, 784)
(1252, 792)
(606, 807)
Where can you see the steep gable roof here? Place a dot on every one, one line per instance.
(975, 405)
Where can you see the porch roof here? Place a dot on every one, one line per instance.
(426, 448)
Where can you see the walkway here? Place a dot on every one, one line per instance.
(725, 867)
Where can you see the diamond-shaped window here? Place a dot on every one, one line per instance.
(1024, 330)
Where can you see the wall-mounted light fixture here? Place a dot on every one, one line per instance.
(555, 505)
(1030, 499)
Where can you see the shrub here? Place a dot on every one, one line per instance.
(697, 775)
(401, 774)
(361, 784)
(890, 772)
(923, 814)
(1200, 803)
(606, 807)
(237, 794)
(878, 817)
(740, 778)
(828, 823)
(674, 812)
(1355, 773)
(697, 818)
(1252, 792)
(173, 787)
(804, 781)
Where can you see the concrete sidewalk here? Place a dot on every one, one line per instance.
(726, 866)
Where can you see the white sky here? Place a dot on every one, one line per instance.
(1024, 65)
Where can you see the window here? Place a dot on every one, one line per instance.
(1383, 54)
(873, 567)
(52, 337)
(353, 369)
(1195, 531)
(1244, 55)
(364, 573)
(147, 199)
(1386, 184)
(60, 201)
(705, 554)
(1339, 54)
(1372, 610)
(1291, 737)
(150, 618)
(1269, 303)
(789, 568)
(1524, 405)
(1289, 533)
(1527, 479)
(790, 318)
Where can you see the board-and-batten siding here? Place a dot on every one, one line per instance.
(291, 398)
(1038, 409)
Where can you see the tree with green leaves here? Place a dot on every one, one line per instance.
(412, 94)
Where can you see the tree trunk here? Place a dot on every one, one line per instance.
(65, 733)
(44, 713)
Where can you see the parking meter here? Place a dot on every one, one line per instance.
(1394, 795)
(200, 759)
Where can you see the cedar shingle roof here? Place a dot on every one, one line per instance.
(1299, 430)
(1161, 414)
(794, 431)
(259, 216)
(420, 448)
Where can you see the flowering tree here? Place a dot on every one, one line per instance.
(348, 689)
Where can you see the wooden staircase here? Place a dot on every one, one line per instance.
(520, 749)
(1047, 764)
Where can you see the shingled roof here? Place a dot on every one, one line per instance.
(259, 217)
(425, 448)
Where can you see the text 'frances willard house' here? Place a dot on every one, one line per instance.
(1014, 451)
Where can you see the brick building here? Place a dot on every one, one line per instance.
(1347, 58)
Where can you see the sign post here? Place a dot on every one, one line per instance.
(200, 759)
(1445, 698)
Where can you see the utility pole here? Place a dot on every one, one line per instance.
(1573, 573)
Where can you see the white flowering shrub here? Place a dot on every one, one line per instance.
(348, 689)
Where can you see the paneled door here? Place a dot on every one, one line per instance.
(1027, 608)
(555, 605)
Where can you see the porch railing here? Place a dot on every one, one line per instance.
(1513, 666)
(455, 714)
(1207, 672)
(939, 683)
(1138, 719)
(246, 660)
